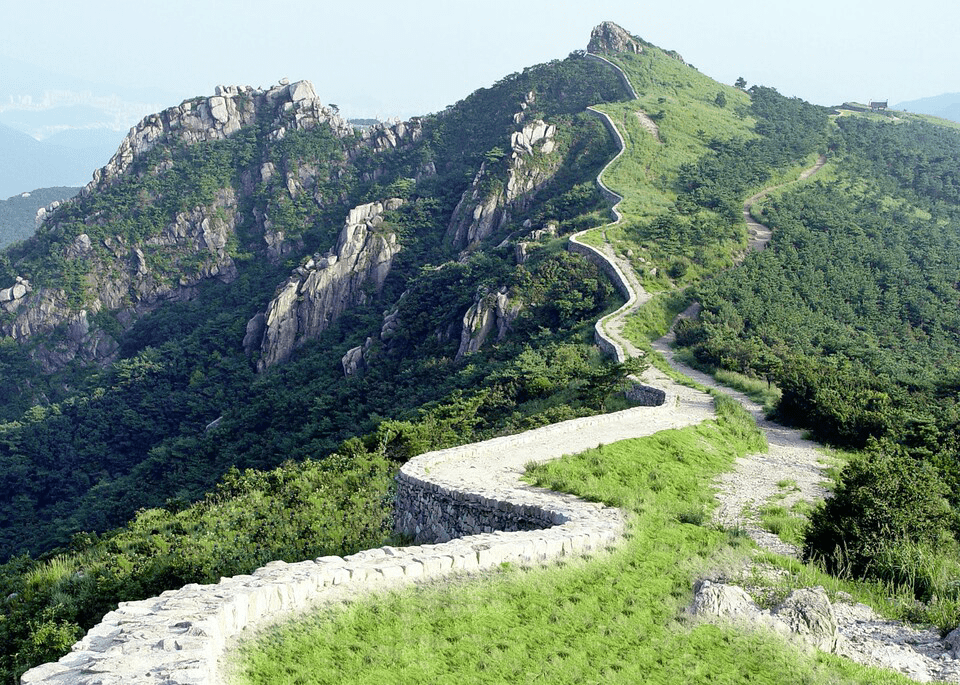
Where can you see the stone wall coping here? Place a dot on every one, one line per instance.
(181, 637)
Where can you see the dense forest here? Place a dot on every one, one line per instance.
(853, 312)
(228, 452)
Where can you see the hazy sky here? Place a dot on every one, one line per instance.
(402, 58)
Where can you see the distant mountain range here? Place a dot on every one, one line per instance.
(18, 215)
(946, 106)
(66, 159)
(56, 129)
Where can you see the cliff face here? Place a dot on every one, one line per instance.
(486, 205)
(118, 279)
(318, 292)
(285, 107)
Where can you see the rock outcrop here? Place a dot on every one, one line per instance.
(548, 232)
(14, 293)
(287, 106)
(490, 311)
(318, 292)
(808, 618)
(44, 212)
(355, 359)
(609, 37)
(393, 135)
(808, 614)
(119, 278)
(485, 206)
(479, 213)
(805, 616)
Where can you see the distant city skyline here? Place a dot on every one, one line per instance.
(380, 59)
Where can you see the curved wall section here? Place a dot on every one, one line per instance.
(460, 502)
(180, 637)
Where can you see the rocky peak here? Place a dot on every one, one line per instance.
(355, 359)
(523, 140)
(44, 212)
(326, 285)
(288, 106)
(609, 37)
(522, 247)
(480, 212)
(393, 134)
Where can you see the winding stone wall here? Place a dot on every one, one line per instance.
(607, 344)
(612, 197)
(644, 395)
(180, 637)
(639, 393)
(620, 72)
(459, 502)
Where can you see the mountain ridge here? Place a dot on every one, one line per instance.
(412, 389)
(945, 106)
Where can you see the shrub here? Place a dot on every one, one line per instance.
(882, 500)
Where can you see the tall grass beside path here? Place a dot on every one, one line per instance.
(617, 618)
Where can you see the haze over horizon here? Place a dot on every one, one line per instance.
(391, 59)
(78, 76)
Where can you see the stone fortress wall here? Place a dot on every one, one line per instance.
(466, 506)
(180, 637)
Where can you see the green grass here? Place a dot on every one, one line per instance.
(835, 458)
(899, 115)
(617, 618)
(789, 525)
(654, 318)
(760, 391)
(683, 102)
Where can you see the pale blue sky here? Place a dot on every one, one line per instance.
(402, 58)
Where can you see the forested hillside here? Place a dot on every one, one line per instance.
(853, 312)
(476, 329)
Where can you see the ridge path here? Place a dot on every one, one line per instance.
(759, 235)
(866, 637)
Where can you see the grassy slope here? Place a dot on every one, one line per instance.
(614, 619)
(618, 618)
(682, 101)
(686, 100)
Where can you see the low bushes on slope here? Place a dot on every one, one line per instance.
(615, 619)
(294, 512)
(852, 311)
